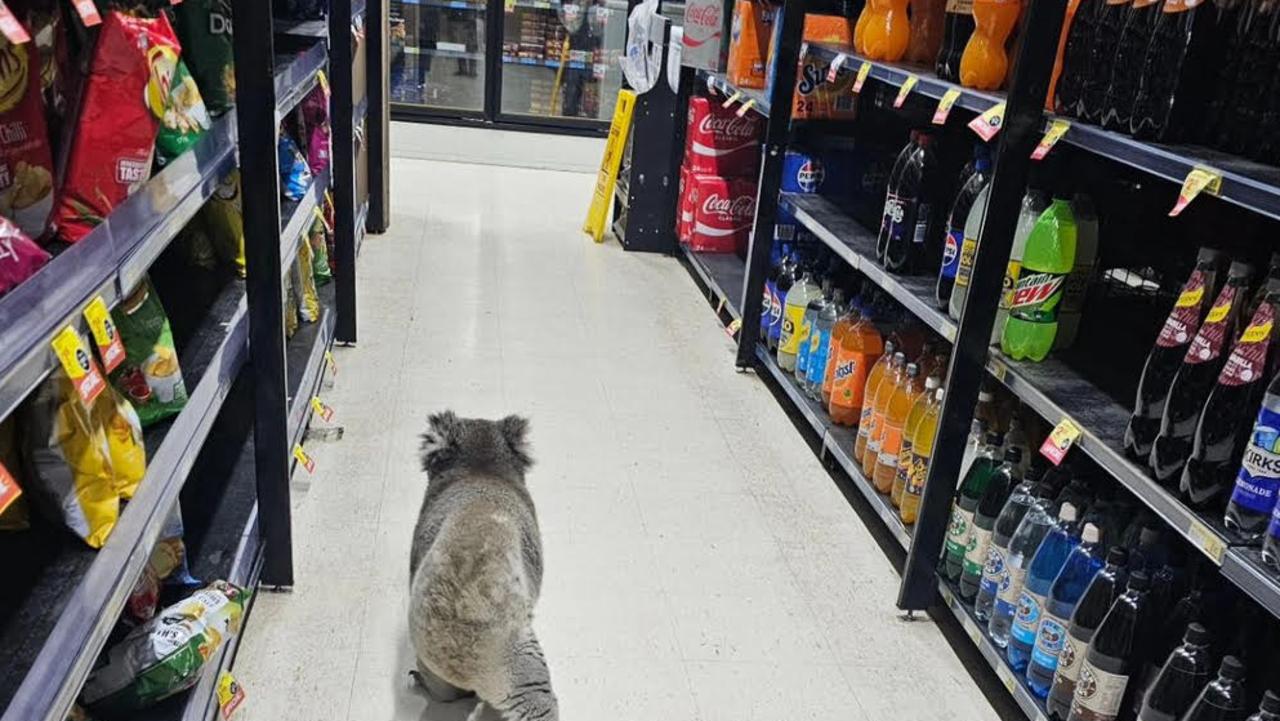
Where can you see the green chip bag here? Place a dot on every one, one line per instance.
(319, 241)
(204, 28)
(185, 119)
(150, 376)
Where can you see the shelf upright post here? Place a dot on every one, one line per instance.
(1019, 133)
(342, 121)
(772, 150)
(260, 195)
(377, 127)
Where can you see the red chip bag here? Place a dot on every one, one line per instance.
(20, 258)
(26, 162)
(124, 100)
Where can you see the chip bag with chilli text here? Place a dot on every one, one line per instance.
(126, 96)
(26, 160)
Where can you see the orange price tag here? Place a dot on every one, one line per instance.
(988, 124)
(905, 90)
(9, 490)
(110, 347)
(1055, 447)
(949, 99)
(78, 365)
(1057, 129)
(863, 73)
(1196, 182)
(12, 29)
(88, 12)
(304, 459)
(834, 70)
(325, 412)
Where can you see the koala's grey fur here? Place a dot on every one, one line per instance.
(476, 569)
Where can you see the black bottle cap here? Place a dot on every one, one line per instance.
(1139, 581)
(1231, 668)
(1196, 635)
(1271, 702)
(1117, 556)
(993, 438)
(1013, 454)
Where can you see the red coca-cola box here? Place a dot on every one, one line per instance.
(684, 221)
(723, 209)
(718, 142)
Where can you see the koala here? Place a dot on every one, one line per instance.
(476, 570)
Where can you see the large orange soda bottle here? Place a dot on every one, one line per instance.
(894, 376)
(921, 452)
(927, 18)
(918, 408)
(860, 29)
(985, 62)
(865, 413)
(895, 423)
(841, 326)
(860, 348)
(887, 30)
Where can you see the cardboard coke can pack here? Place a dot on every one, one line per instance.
(718, 142)
(724, 209)
(684, 223)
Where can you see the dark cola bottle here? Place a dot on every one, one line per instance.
(1165, 357)
(1185, 672)
(957, 28)
(1134, 38)
(1233, 21)
(1177, 71)
(1075, 58)
(1227, 420)
(1224, 698)
(1249, 96)
(1195, 378)
(1102, 55)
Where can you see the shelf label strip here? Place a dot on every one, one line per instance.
(1207, 541)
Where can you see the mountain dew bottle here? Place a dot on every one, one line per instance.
(1047, 260)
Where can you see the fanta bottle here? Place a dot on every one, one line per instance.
(985, 62)
(895, 424)
(921, 452)
(887, 31)
(865, 413)
(894, 376)
(927, 17)
(842, 326)
(860, 29)
(860, 348)
(918, 408)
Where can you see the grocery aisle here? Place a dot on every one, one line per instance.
(700, 562)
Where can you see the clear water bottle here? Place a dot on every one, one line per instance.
(1022, 549)
(1081, 566)
(1048, 561)
(995, 573)
(984, 520)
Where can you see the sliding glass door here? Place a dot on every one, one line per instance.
(438, 54)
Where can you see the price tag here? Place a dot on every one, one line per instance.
(1057, 129)
(720, 306)
(974, 634)
(1197, 181)
(711, 85)
(323, 79)
(88, 12)
(333, 364)
(905, 90)
(1206, 540)
(1055, 447)
(834, 70)
(998, 369)
(302, 457)
(988, 124)
(1006, 677)
(12, 29)
(230, 695)
(863, 72)
(78, 365)
(9, 490)
(734, 326)
(746, 106)
(949, 98)
(110, 347)
(732, 99)
(325, 412)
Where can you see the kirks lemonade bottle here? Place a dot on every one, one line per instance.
(865, 410)
(1049, 257)
(921, 452)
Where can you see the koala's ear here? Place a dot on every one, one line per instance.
(515, 430)
(440, 440)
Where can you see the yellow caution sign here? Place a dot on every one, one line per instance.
(602, 197)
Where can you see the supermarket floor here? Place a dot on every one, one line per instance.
(701, 565)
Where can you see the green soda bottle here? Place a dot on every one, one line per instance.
(1048, 259)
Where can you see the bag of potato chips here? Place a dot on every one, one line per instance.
(318, 237)
(225, 221)
(124, 440)
(204, 26)
(304, 284)
(26, 160)
(185, 119)
(20, 257)
(150, 376)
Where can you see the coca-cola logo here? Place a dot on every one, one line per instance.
(726, 126)
(738, 207)
(707, 15)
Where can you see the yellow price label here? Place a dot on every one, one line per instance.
(333, 364)
(746, 106)
(863, 73)
(78, 365)
(1199, 180)
(230, 695)
(1060, 440)
(1208, 541)
(1057, 129)
(988, 124)
(732, 99)
(905, 90)
(1006, 677)
(943, 110)
(734, 326)
(324, 411)
(302, 457)
(323, 79)
(105, 336)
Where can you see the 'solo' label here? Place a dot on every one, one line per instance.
(1027, 618)
(1259, 476)
(1036, 297)
(994, 571)
(1184, 319)
(967, 250)
(848, 380)
(792, 320)
(958, 532)
(1070, 659)
(1051, 638)
(951, 253)
(975, 554)
(1098, 694)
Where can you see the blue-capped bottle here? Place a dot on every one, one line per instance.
(1082, 565)
(808, 322)
(820, 344)
(1048, 561)
(1258, 481)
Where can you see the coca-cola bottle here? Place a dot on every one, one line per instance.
(1227, 420)
(1103, 688)
(1195, 377)
(1166, 356)
(1134, 38)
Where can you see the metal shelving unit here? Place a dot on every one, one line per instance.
(719, 84)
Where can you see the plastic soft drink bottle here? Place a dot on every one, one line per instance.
(1258, 480)
(921, 452)
(1073, 6)
(1270, 708)
(1076, 289)
(866, 410)
(844, 322)
(887, 31)
(786, 278)
(891, 192)
(1066, 91)
(1135, 36)
(1033, 312)
(1176, 71)
(1048, 560)
(1093, 606)
(985, 63)
(894, 428)
(910, 222)
(820, 344)
(895, 376)
(777, 256)
(1033, 204)
(984, 520)
(919, 408)
(1015, 437)
(965, 505)
(984, 420)
(953, 239)
(1167, 354)
(995, 571)
(807, 324)
(957, 28)
(1106, 28)
(1184, 673)
(1068, 586)
(969, 249)
(1224, 698)
(927, 18)
(860, 348)
(1271, 544)
(798, 298)
(1026, 540)
(1100, 693)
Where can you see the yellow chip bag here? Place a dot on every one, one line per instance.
(225, 220)
(290, 307)
(304, 284)
(124, 440)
